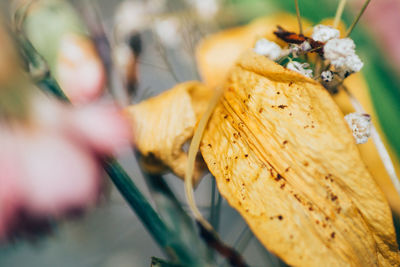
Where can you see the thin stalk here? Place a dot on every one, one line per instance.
(211, 253)
(339, 12)
(218, 211)
(137, 201)
(382, 151)
(357, 18)
(296, 2)
(194, 147)
(166, 238)
(91, 15)
(242, 241)
(37, 67)
(164, 57)
(213, 203)
(156, 262)
(215, 210)
(207, 232)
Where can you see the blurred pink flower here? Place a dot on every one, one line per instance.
(383, 18)
(79, 69)
(49, 166)
(107, 120)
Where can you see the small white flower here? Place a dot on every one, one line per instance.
(167, 30)
(267, 48)
(323, 33)
(327, 76)
(305, 46)
(337, 50)
(353, 63)
(296, 50)
(206, 9)
(134, 16)
(300, 68)
(360, 124)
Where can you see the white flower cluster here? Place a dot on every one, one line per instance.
(302, 48)
(206, 9)
(267, 48)
(300, 68)
(341, 53)
(168, 31)
(360, 124)
(323, 33)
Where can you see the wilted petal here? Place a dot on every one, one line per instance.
(164, 123)
(217, 53)
(283, 156)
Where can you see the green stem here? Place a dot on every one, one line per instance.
(212, 208)
(137, 201)
(156, 262)
(357, 18)
(298, 16)
(242, 241)
(218, 211)
(339, 12)
(215, 210)
(38, 68)
(169, 240)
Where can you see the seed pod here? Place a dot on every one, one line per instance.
(163, 124)
(283, 156)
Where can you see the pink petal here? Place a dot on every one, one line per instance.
(10, 189)
(383, 18)
(102, 126)
(79, 69)
(59, 175)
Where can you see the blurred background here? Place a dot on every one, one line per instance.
(164, 34)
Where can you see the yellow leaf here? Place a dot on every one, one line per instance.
(218, 53)
(284, 157)
(163, 124)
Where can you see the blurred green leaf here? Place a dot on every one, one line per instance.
(176, 219)
(156, 262)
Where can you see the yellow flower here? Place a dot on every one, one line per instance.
(281, 153)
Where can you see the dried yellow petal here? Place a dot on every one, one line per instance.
(283, 156)
(357, 86)
(217, 53)
(163, 124)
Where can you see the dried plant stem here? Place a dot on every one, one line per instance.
(339, 12)
(91, 15)
(357, 18)
(383, 153)
(215, 205)
(298, 16)
(163, 54)
(194, 147)
(206, 230)
(242, 241)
